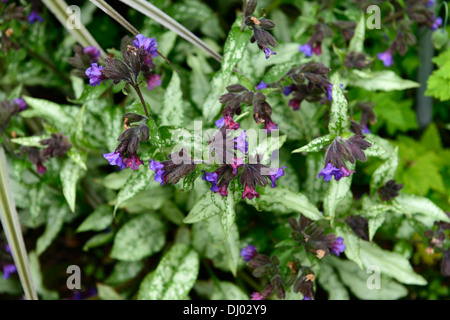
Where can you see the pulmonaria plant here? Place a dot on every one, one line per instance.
(137, 57)
(438, 239)
(314, 45)
(259, 26)
(9, 109)
(178, 166)
(125, 155)
(83, 60)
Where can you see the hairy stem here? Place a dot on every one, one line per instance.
(144, 105)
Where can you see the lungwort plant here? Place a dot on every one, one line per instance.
(263, 150)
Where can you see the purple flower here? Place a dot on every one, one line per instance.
(430, 3)
(268, 52)
(230, 123)
(437, 22)
(329, 171)
(329, 92)
(249, 193)
(294, 104)
(8, 248)
(115, 159)
(241, 143)
(278, 173)
(34, 17)
(338, 246)
(386, 57)
(248, 252)
(8, 269)
(133, 162)
(306, 297)
(40, 168)
(153, 81)
(212, 178)
(20, 103)
(261, 85)
(237, 162)
(95, 74)
(93, 53)
(157, 167)
(219, 123)
(306, 49)
(256, 296)
(223, 190)
(288, 89)
(317, 50)
(365, 129)
(346, 172)
(149, 44)
(269, 125)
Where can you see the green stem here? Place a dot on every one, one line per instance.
(144, 105)
(13, 231)
(244, 7)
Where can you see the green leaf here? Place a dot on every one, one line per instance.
(117, 180)
(390, 263)
(209, 239)
(337, 190)
(33, 141)
(113, 125)
(173, 112)
(339, 117)
(36, 273)
(385, 172)
(376, 150)
(439, 81)
(202, 210)
(124, 271)
(70, 173)
(139, 238)
(137, 182)
(225, 290)
(317, 144)
(98, 240)
(386, 80)
(352, 245)
(174, 277)
(79, 157)
(98, 220)
(234, 49)
(357, 281)
(55, 114)
(283, 200)
(55, 220)
(91, 93)
(423, 206)
(106, 292)
(357, 42)
(226, 206)
(329, 280)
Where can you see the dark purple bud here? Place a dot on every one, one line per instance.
(93, 53)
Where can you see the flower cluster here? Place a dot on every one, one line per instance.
(438, 240)
(236, 96)
(56, 146)
(137, 57)
(9, 109)
(125, 155)
(262, 37)
(171, 171)
(314, 45)
(83, 59)
(390, 190)
(253, 172)
(314, 239)
(340, 150)
(307, 82)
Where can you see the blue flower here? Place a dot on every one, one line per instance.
(241, 143)
(34, 17)
(268, 52)
(153, 81)
(92, 52)
(329, 171)
(212, 178)
(219, 123)
(95, 74)
(149, 44)
(20, 103)
(115, 159)
(279, 173)
(261, 85)
(338, 246)
(288, 89)
(386, 57)
(306, 49)
(159, 172)
(437, 22)
(248, 252)
(8, 269)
